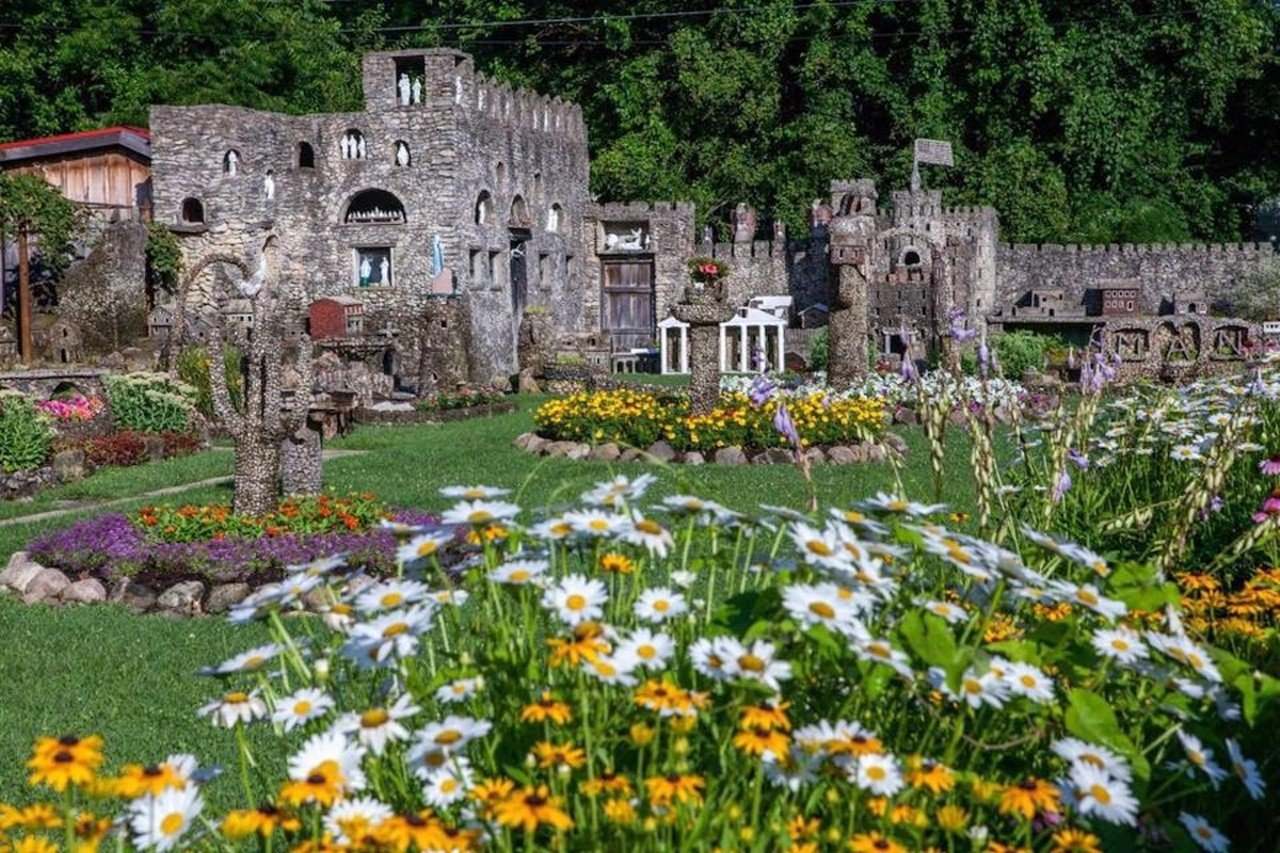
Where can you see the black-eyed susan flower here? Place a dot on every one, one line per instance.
(951, 818)
(928, 774)
(874, 842)
(531, 807)
(547, 708)
(61, 762)
(607, 782)
(135, 779)
(585, 643)
(1070, 840)
(675, 788)
(1029, 797)
(558, 754)
(262, 821)
(613, 563)
(416, 830)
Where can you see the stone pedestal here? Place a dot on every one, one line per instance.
(300, 460)
(704, 309)
(847, 327)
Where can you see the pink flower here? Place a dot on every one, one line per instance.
(1270, 507)
(1270, 466)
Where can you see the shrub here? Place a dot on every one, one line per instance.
(120, 449)
(640, 418)
(460, 399)
(150, 402)
(818, 351)
(193, 369)
(1016, 351)
(25, 434)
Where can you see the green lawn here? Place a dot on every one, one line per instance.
(132, 677)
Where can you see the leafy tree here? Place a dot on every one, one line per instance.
(32, 210)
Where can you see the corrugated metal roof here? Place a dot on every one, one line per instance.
(135, 139)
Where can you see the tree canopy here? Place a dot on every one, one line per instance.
(1079, 120)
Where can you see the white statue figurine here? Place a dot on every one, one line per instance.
(366, 270)
(232, 162)
(402, 154)
(360, 148)
(383, 270)
(404, 89)
(417, 91)
(346, 146)
(269, 186)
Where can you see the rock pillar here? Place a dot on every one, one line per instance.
(704, 308)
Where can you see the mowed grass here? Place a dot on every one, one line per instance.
(132, 678)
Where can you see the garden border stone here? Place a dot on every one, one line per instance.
(662, 452)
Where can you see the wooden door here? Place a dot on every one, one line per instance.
(626, 303)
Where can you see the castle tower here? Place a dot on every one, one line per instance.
(852, 234)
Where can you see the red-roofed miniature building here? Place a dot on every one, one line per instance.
(107, 170)
(336, 318)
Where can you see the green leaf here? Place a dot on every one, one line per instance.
(1090, 718)
(1135, 584)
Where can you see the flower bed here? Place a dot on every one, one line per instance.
(678, 675)
(640, 418)
(463, 398)
(163, 545)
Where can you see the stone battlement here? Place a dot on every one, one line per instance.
(641, 209)
(756, 249)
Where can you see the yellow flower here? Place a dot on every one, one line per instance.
(757, 741)
(554, 755)
(923, 773)
(641, 734)
(607, 782)
(951, 818)
(620, 811)
(663, 790)
(614, 563)
(531, 807)
(323, 786)
(66, 761)
(422, 831)
(264, 821)
(766, 715)
(1029, 797)
(547, 708)
(1074, 841)
(491, 792)
(135, 780)
(874, 842)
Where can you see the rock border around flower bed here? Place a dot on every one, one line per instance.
(380, 417)
(661, 451)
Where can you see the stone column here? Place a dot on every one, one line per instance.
(300, 460)
(684, 349)
(663, 334)
(847, 327)
(704, 309)
(781, 362)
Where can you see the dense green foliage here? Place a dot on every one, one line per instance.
(1082, 120)
(193, 368)
(1016, 352)
(28, 204)
(25, 434)
(146, 402)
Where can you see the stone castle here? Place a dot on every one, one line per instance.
(453, 205)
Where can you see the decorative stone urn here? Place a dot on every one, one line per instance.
(704, 307)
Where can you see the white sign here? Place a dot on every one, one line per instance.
(934, 151)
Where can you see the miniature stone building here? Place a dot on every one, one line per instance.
(335, 317)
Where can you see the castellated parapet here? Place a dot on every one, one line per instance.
(496, 177)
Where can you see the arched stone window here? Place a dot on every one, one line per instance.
(484, 208)
(231, 163)
(911, 257)
(372, 206)
(555, 219)
(402, 155)
(306, 156)
(519, 211)
(192, 211)
(352, 145)
(501, 172)
(537, 186)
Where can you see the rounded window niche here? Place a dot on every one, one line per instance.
(401, 156)
(192, 211)
(519, 211)
(555, 219)
(374, 207)
(306, 156)
(911, 257)
(484, 208)
(352, 145)
(231, 163)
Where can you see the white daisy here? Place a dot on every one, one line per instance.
(650, 535)
(1201, 757)
(712, 657)
(301, 707)
(618, 490)
(951, 613)
(1246, 770)
(818, 547)
(1120, 644)
(1185, 652)
(683, 579)
(1087, 595)
(473, 493)
(459, 690)
(479, 512)
(377, 727)
(1098, 757)
(329, 753)
(758, 662)
(878, 774)
(159, 821)
(690, 505)
(1029, 681)
(390, 595)
(650, 650)
(319, 567)
(895, 505)
(1186, 453)
(351, 820)
(250, 661)
(1096, 794)
(554, 529)
(595, 522)
(975, 690)
(453, 596)
(421, 547)
(445, 785)
(518, 572)
(389, 636)
(660, 604)
(447, 737)
(231, 709)
(294, 587)
(820, 604)
(793, 770)
(616, 668)
(1203, 834)
(575, 599)
(877, 650)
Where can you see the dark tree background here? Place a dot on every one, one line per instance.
(1099, 121)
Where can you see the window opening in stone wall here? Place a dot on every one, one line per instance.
(484, 208)
(306, 156)
(374, 207)
(352, 145)
(911, 258)
(402, 156)
(192, 211)
(544, 268)
(493, 267)
(537, 186)
(231, 163)
(473, 264)
(553, 218)
(373, 266)
(518, 275)
(627, 304)
(519, 213)
(501, 172)
(410, 77)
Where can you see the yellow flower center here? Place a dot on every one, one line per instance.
(875, 773)
(172, 823)
(817, 546)
(822, 609)
(1028, 681)
(474, 494)
(972, 685)
(1196, 756)
(897, 505)
(426, 549)
(598, 524)
(449, 785)
(1204, 832)
(480, 516)
(662, 605)
(374, 718)
(1101, 794)
(301, 708)
(880, 650)
(391, 599)
(575, 602)
(1120, 645)
(395, 629)
(448, 737)
(561, 529)
(1086, 597)
(235, 698)
(1090, 758)
(647, 652)
(650, 527)
(751, 663)
(518, 576)
(254, 661)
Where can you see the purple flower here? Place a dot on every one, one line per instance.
(957, 328)
(909, 372)
(1270, 507)
(1061, 487)
(1081, 460)
(984, 359)
(761, 390)
(785, 426)
(1270, 466)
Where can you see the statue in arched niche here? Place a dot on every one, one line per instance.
(417, 91)
(402, 154)
(231, 163)
(404, 89)
(269, 186)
